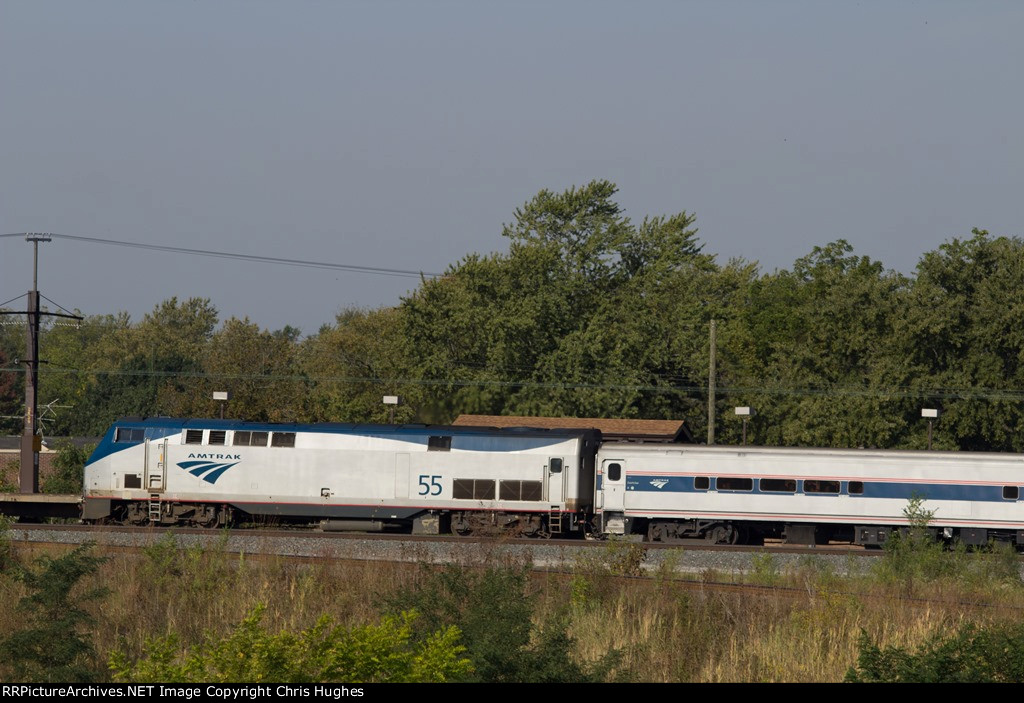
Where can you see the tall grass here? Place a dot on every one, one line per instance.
(800, 624)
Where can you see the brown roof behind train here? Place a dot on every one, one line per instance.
(611, 428)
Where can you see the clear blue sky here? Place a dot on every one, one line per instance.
(403, 134)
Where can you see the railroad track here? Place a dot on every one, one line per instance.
(695, 545)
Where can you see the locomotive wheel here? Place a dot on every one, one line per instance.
(210, 517)
(461, 526)
(722, 534)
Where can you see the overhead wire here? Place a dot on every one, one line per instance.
(54, 302)
(894, 392)
(354, 268)
(12, 299)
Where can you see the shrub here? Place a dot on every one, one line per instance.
(322, 653)
(70, 469)
(494, 610)
(971, 655)
(51, 647)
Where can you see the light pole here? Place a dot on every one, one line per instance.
(392, 401)
(223, 397)
(712, 349)
(746, 412)
(932, 414)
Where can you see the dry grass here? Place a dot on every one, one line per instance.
(806, 628)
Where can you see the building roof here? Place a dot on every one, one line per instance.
(611, 428)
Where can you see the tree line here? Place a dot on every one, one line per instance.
(590, 314)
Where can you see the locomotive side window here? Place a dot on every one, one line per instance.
(777, 485)
(282, 439)
(701, 483)
(193, 436)
(241, 439)
(821, 486)
(1011, 492)
(129, 434)
(217, 436)
(259, 439)
(439, 443)
(856, 488)
(521, 490)
(732, 483)
(472, 489)
(614, 472)
(556, 466)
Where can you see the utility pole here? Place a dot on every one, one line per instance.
(711, 387)
(31, 441)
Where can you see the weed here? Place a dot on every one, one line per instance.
(764, 569)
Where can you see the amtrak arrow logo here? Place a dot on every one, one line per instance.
(209, 471)
(659, 483)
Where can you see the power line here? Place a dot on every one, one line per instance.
(896, 392)
(354, 268)
(12, 300)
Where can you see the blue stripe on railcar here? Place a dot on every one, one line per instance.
(872, 489)
(934, 491)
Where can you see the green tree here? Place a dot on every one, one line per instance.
(257, 367)
(69, 465)
(72, 355)
(569, 311)
(362, 357)
(827, 352)
(111, 368)
(10, 402)
(965, 342)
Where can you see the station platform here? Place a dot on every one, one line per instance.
(40, 505)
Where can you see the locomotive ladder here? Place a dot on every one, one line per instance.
(154, 507)
(555, 521)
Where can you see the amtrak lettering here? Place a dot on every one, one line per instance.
(213, 456)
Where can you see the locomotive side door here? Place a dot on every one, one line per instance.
(613, 496)
(556, 480)
(613, 485)
(156, 463)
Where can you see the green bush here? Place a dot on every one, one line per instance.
(322, 653)
(971, 655)
(915, 556)
(494, 610)
(52, 647)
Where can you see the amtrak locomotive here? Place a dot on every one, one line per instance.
(469, 480)
(358, 477)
